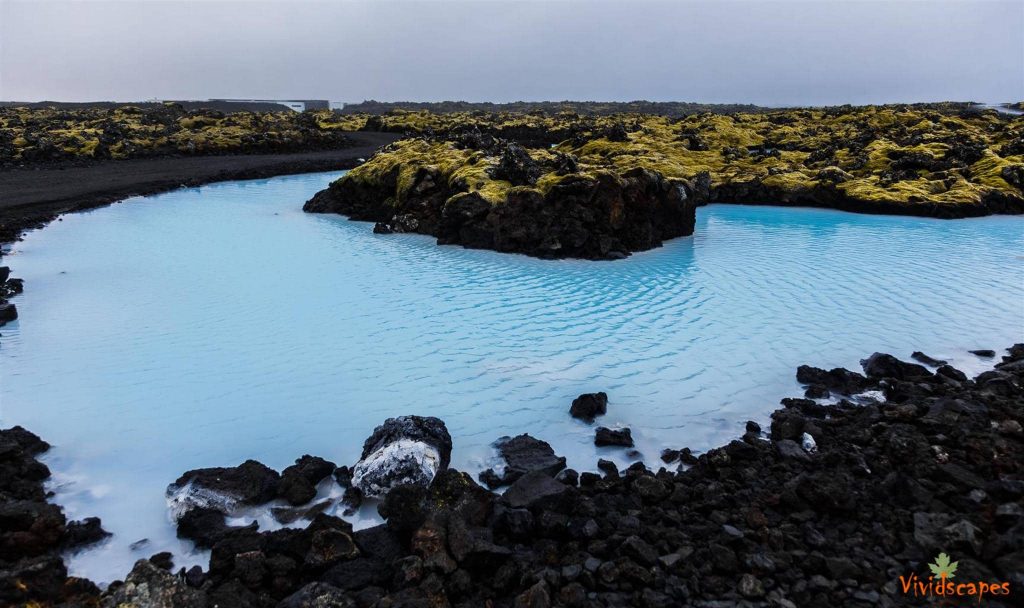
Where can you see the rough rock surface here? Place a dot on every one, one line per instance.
(223, 488)
(521, 455)
(589, 406)
(758, 522)
(620, 437)
(403, 450)
(150, 586)
(600, 217)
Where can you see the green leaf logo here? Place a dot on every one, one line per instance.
(942, 567)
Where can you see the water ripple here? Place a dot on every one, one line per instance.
(210, 325)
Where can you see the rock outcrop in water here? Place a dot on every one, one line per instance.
(589, 406)
(940, 161)
(8, 287)
(521, 455)
(495, 199)
(223, 489)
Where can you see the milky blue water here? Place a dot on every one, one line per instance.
(209, 325)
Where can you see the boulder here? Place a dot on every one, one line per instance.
(206, 526)
(534, 489)
(589, 405)
(298, 482)
(402, 451)
(223, 488)
(620, 437)
(923, 358)
(881, 365)
(84, 532)
(838, 379)
(151, 586)
(521, 455)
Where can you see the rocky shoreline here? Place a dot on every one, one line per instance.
(844, 494)
(601, 187)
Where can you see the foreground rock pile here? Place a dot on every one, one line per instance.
(33, 532)
(830, 506)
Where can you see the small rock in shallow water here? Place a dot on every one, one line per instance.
(983, 353)
(923, 358)
(608, 467)
(223, 488)
(521, 455)
(84, 532)
(589, 405)
(882, 365)
(620, 437)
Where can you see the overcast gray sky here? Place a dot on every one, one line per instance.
(770, 52)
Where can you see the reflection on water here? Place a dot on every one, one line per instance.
(210, 325)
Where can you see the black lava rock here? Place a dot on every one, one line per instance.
(619, 437)
(589, 405)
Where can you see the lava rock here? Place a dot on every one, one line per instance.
(923, 358)
(620, 437)
(403, 450)
(223, 488)
(881, 365)
(84, 532)
(151, 586)
(589, 406)
(522, 454)
(298, 482)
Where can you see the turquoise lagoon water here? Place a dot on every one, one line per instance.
(210, 325)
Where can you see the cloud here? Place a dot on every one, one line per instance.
(766, 52)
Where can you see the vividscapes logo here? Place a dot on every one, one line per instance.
(940, 583)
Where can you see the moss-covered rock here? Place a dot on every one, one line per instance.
(33, 135)
(458, 195)
(932, 161)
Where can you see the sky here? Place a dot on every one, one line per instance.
(768, 52)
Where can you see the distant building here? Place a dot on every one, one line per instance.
(299, 105)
